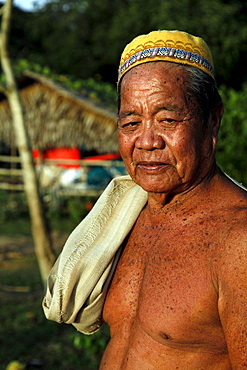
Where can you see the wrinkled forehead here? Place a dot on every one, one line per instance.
(162, 82)
(162, 72)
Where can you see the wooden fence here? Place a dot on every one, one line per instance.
(11, 178)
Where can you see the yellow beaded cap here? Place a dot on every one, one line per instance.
(168, 46)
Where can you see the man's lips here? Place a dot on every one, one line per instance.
(151, 166)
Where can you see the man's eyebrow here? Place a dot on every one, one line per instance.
(168, 107)
(127, 114)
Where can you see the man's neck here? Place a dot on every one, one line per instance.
(166, 202)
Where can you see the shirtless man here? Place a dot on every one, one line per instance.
(178, 297)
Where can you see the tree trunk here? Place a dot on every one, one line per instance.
(40, 232)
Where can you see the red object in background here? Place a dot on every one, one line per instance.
(89, 206)
(70, 153)
(103, 157)
(37, 154)
(59, 153)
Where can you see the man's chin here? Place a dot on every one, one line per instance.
(153, 186)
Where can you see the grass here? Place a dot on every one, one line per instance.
(25, 334)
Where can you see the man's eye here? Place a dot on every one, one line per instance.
(169, 123)
(168, 120)
(128, 125)
(131, 124)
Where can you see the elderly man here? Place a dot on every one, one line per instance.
(162, 257)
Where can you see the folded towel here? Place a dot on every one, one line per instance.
(79, 281)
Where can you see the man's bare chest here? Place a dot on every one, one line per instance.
(166, 279)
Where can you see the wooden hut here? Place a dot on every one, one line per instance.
(59, 118)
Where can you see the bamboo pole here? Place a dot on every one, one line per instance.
(41, 236)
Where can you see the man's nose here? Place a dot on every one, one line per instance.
(149, 138)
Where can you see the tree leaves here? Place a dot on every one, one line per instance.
(86, 38)
(232, 145)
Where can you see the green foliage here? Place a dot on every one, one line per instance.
(22, 65)
(93, 345)
(14, 207)
(18, 272)
(85, 38)
(26, 334)
(232, 145)
(99, 92)
(79, 209)
(63, 213)
(102, 93)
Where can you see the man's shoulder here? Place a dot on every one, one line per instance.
(235, 200)
(234, 215)
(230, 214)
(230, 192)
(237, 185)
(233, 236)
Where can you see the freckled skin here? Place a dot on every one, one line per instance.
(178, 297)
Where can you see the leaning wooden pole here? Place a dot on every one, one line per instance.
(41, 235)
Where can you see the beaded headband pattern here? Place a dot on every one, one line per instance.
(169, 46)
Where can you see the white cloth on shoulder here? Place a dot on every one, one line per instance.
(79, 281)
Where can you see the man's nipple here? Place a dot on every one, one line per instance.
(165, 336)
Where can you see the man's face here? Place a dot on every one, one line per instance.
(163, 141)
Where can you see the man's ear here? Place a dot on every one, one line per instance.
(216, 117)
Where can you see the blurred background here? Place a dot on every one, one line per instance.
(65, 57)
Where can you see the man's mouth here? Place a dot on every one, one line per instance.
(151, 167)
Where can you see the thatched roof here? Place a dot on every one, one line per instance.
(57, 117)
